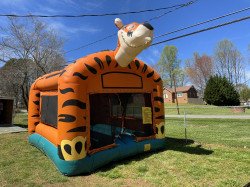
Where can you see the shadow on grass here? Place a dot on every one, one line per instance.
(182, 145)
(21, 125)
(174, 144)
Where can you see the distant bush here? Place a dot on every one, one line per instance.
(220, 92)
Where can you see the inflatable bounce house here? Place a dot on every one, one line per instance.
(104, 107)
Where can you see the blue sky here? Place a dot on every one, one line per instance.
(80, 31)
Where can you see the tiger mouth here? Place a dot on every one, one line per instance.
(130, 45)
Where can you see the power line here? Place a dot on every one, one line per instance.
(86, 45)
(181, 6)
(203, 30)
(201, 23)
(109, 36)
(91, 15)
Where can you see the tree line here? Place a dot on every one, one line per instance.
(226, 62)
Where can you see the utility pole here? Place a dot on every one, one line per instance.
(177, 104)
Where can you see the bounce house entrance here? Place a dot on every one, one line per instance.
(114, 114)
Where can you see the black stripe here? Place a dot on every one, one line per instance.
(162, 129)
(66, 90)
(60, 152)
(160, 117)
(80, 75)
(159, 99)
(108, 59)
(155, 90)
(36, 102)
(67, 118)
(157, 109)
(99, 62)
(91, 69)
(137, 63)
(158, 80)
(78, 129)
(63, 71)
(36, 123)
(38, 95)
(145, 67)
(116, 65)
(74, 102)
(55, 74)
(150, 74)
(129, 66)
(36, 115)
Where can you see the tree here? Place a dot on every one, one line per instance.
(170, 71)
(169, 67)
(29, 50)
(199, 70)
(229, 62)
(245, 94)
(220, 92)
(14, 79)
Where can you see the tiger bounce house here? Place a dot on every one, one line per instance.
(103, 107)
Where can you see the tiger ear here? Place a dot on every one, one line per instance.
(118, 23)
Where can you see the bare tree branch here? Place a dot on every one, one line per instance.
(199, 69)
(29, 50)
(229, 62)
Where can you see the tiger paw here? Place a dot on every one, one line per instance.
(73, 149)
(160, 131)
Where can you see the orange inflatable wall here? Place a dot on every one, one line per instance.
(95, 73)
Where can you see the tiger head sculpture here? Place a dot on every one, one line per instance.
(132, 39)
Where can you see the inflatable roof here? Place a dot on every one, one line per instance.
(104, 107)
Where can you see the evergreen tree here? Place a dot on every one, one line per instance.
(220, 92)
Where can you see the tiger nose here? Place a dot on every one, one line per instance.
(147, 25)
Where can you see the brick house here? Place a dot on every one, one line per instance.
(185, 94)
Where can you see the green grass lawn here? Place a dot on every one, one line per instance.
(217, 153)
(20, 119)
(201, 110)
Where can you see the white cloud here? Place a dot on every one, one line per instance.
(92, 5)
(2, 35)
(77, 6)
(156, 52)
(248, 74)
(46, 10)
(86, 29)
(69, 2)
(150, 55)
(66, 30)
(14, 4)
